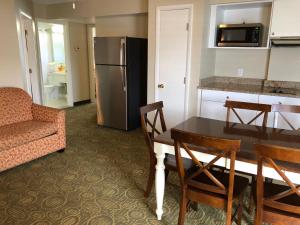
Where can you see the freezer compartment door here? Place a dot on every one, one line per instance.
(110, 51)
(111, 96)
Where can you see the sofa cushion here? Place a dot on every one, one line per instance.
(15, 106)
(16, 134)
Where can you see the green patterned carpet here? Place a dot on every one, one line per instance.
(99, 179)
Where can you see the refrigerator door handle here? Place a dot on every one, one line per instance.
(124, 79)
(122, 52)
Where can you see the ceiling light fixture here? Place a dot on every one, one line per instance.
(73, 5)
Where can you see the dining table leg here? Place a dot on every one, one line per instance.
(160, 182)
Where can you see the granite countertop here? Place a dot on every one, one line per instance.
(252, 86)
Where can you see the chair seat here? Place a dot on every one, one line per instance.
(17, 134)
(170, 162)
(240, 183)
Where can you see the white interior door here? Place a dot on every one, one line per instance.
(30, 61)
(172, 62)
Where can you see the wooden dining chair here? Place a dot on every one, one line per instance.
(281, 109)
(150, 130)
(263, 110)
(205, 185)
(276, 204)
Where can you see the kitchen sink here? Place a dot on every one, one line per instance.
(286, 91)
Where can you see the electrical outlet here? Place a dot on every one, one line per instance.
(240, 72)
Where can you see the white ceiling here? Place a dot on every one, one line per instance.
(53, 1)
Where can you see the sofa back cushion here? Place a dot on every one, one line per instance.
(15, 106)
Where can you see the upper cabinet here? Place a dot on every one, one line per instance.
(286, 18)
(241, 13)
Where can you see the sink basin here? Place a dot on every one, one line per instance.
(283, 91)
(276, 91)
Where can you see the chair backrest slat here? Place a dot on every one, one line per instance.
(268, 155)
(205, 141)
(278, 153)
(280, 109)
(157, 109)
(263, 110)
(220, 147)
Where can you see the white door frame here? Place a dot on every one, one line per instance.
(92, 72)
(31, 80)
(67, 58)
(189, 51)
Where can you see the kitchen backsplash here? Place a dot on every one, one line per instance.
(253, 63)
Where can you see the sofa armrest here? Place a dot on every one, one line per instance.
(47, 114)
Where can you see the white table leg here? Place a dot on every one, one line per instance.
(160, 183)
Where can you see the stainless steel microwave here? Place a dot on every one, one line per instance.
(239, 35)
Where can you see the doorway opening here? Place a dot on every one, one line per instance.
(54, 73)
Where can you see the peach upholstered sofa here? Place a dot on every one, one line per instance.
(27, 131)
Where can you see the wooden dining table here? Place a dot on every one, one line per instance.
(246, 157)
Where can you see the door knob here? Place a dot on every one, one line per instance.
(161, 86)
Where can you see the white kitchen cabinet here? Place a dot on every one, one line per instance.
(222, 96)
(285, 18)
(212, 105)
(213, 110)
(275, 120)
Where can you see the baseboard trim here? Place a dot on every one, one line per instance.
(82, 102)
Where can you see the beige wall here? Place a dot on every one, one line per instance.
(10, 65)
(25, 6)
(93, 8)
(228, 61)
(79, 61)
(126, 25)
(40, 11)
(208, 55)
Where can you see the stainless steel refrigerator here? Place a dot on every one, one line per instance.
(121, 80)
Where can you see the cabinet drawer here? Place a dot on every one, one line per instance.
(222, 96)
(267, 99)
(213, 110)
